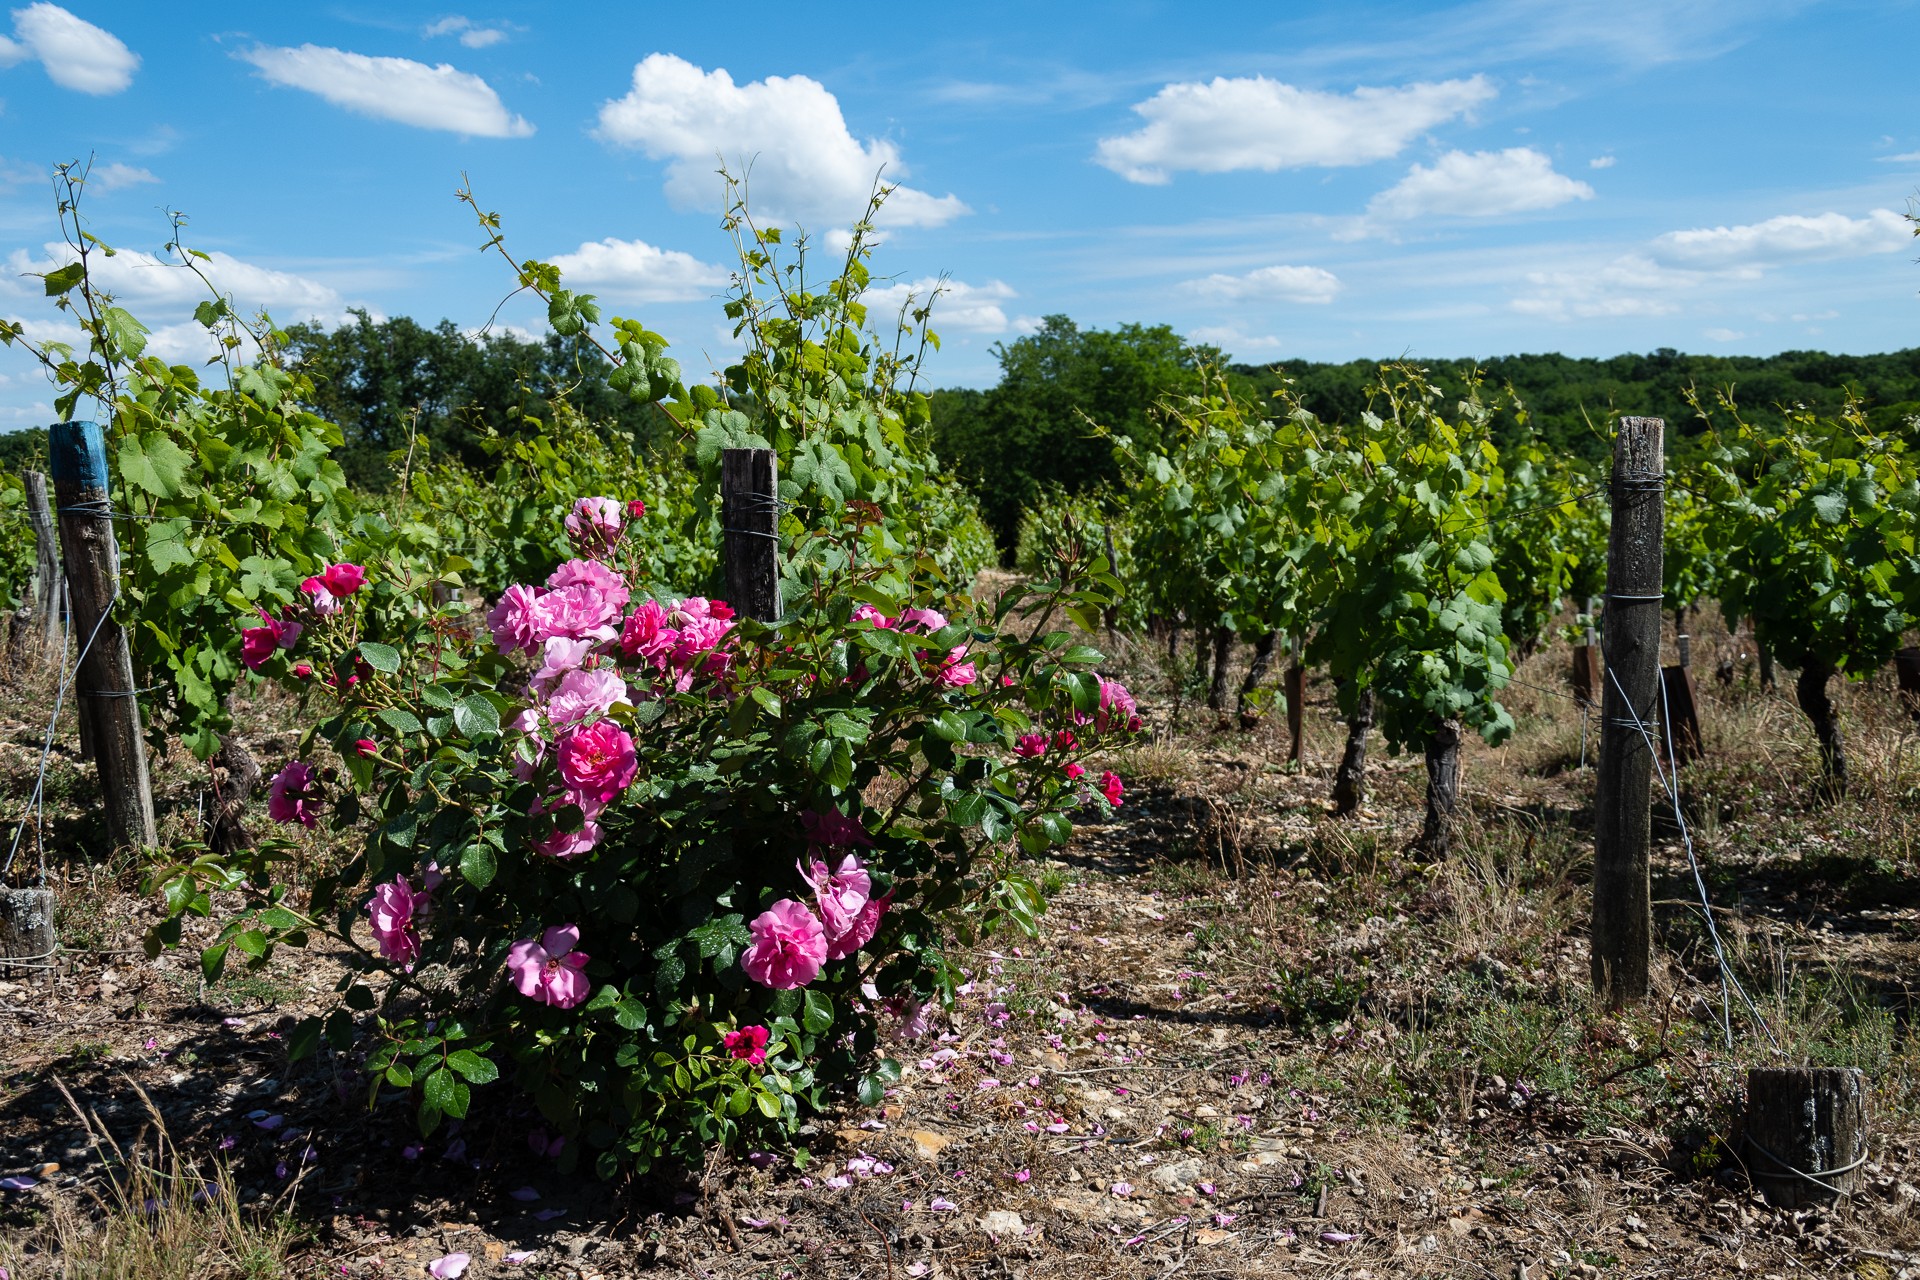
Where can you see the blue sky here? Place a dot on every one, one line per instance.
(1308, 180)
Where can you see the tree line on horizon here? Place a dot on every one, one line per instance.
(390, 382)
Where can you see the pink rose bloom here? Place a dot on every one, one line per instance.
(393, 912)
(698, 607)
(303, 670)
(342, 580)
(290, 798)
(861, 930)
(1074, 771)
(748, 1044)
(647, 634)
(322, 601)
(549, 970)
(788, 946)
(582, 695)
(558, 656)
(956, 674)
(698, 637)
(840, 892)
(366, 746)
(833, 828)
(928, 620)
(913, 1019)
(515, 620)
(258, 643)
(597, 762)
(1065, 741)
(591, 573)
(594, 523)
(867, 613)
(1031, 746)
(568, 844)
(1117, 709)
(635, 508)
(577, 610)
(1112, 788)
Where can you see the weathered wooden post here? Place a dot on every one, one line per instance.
(1806, 1132)
(1296, 704)
(1906, 669)
(1622, 896)
(26, 929)
(104, 681)
(750, 517)
(47, 586)
(1680, 705)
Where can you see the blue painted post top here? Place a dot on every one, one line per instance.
(77, 454)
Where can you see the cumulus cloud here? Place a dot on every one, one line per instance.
(1232, 341)
(972, 308)
(1277, 283)
(399, 89)
(1787, 238)
(1631, 285)
(635, 271)
(112, 177)
(76, 54)
(1256, 123)
(806, 165)
(1478, 184)
(1601, 162)
(143, 280)
(471, 34)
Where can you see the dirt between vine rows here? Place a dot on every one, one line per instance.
(1250, 1040)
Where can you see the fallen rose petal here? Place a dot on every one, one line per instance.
(1122, 1189)
(940, 1204)
(18, 1184)
(450, 1267)
(518, 1256)
(1337, 1237)
(525, 1193)
(548, 1215)
(840, 1182)
(755, 1223)
(269, 1123)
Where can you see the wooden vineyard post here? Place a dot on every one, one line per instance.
(1680, 706)
(1806, 1132)
(26, 929)
(103, 684)
(48, 597)
(1906, 667)
(1622, 895)
(1296, 704)
(750, 516)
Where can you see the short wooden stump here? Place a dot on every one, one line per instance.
(1806, 1133)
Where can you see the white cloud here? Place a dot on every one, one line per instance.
(112, 177)
(1630, 285)
(805, 164)
(1478, 184)
(1290, 284)
(972, 308)
(1232, 341)
(635, 271)
(1788, 238)
(1601, 162)
(399, 89)
(471, 35)
(1722, 335)
(76, 54)
(141, 279)
(1910, 157)
(1256, 123)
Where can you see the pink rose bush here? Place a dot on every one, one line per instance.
(687, 791)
